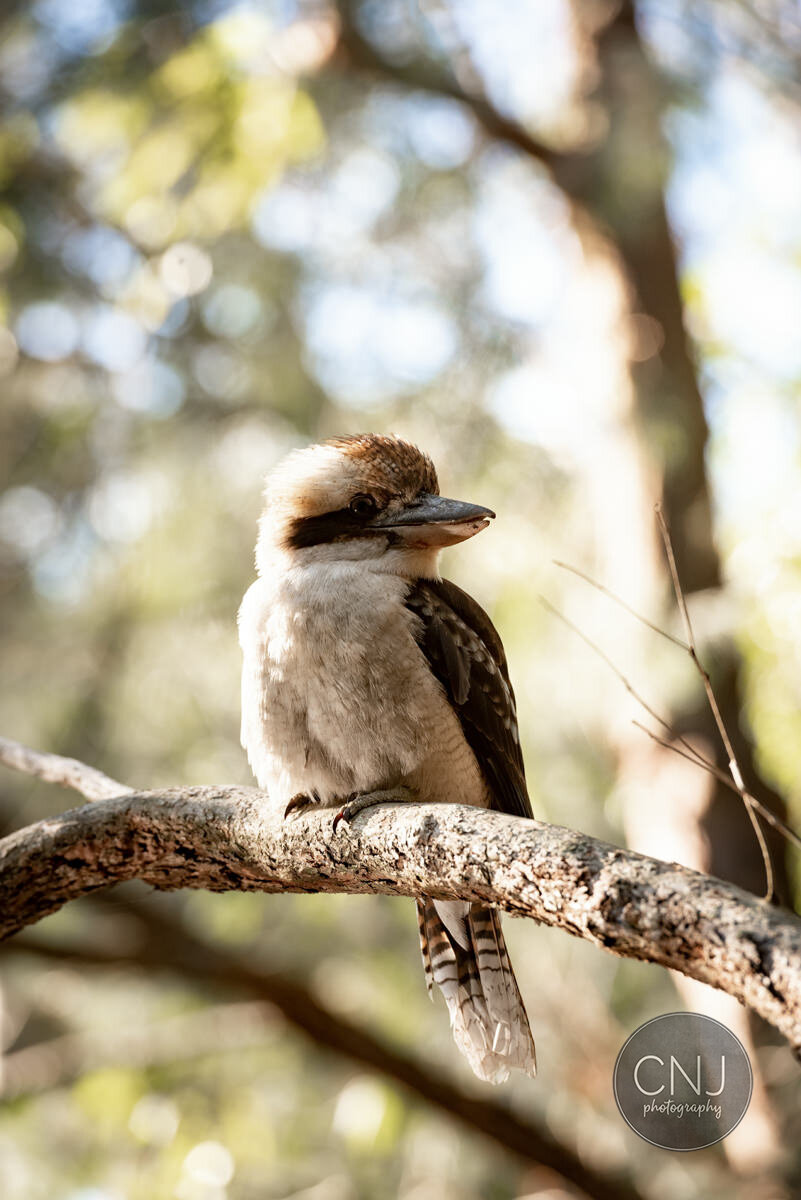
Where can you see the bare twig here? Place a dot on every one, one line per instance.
(734, 779)
(599, 587)
(734, 767)
(691, 751)
(726, 780)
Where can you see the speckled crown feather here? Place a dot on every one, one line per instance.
(389, 460)
(323, 477)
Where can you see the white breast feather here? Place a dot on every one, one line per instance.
(337, 696)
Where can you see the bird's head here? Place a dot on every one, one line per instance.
(363, 498)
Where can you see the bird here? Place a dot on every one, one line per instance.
(369, 678)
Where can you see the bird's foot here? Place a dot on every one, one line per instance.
(357, 802)
(301, 801)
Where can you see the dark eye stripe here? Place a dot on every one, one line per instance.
(328, 527)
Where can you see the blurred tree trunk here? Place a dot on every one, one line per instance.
(623, 185)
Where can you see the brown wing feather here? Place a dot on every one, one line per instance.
(466, 654)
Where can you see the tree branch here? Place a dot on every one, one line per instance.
(229, 838)
(164, 942)
(56, 1061)
(170, 945)
(421, 75)
(69, 772)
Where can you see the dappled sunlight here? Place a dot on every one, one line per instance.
(228, 230)
(192, 147)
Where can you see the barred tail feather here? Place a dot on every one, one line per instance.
(512, 1039)
(424, 948)
(466, 957)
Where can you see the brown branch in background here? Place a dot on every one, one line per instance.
(168, 944)
(420, 75)
(224, 839)
(215, 1029)
(633, 221)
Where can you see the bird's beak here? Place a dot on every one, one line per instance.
(434, 521)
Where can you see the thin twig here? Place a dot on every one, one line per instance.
(696, 760)
(778, 824)
(734, 766)
(692, 751)
(752, 805)
(619, 600)
(91, 783)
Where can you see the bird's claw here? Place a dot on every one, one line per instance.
(345, 814)
(300, 802)
(357, 802)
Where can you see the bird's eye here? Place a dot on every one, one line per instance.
(362, 505)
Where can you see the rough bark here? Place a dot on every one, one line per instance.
(168, 943)
(228, 838)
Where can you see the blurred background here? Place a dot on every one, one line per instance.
(557, 243)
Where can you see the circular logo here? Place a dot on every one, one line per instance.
(683, 1081)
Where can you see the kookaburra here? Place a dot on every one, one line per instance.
(369, 678)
